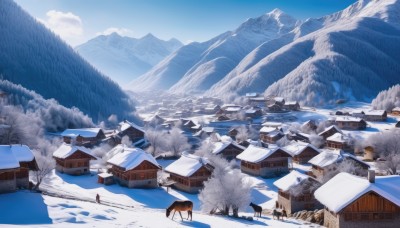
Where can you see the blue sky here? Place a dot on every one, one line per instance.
(76, 21)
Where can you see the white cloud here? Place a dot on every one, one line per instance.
(120, 31)
(67, 25)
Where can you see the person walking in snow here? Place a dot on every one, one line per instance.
(98, 198)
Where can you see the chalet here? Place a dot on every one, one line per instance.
(327, 161)
(105, 178)
(223, 118)
(358, 114)
(270, 134)
(233, 132)
(228, 149)
(257, 101)
(253, 113)
(232, 110)
(352, 201)
(376, 115)
(291, 105)
(350, 123)
(309, 124)
(339, 141)
(301, 152)
(274, 108)
(328, 132)
(189, 172)
(272, 124)
(212, 110)
(396, 111)
(298, 136)
(265, 162)
(296, 193)
(133, 131)
(73, 160)
(134, 168)
(83, 136)
(278, 101)
(15, 163)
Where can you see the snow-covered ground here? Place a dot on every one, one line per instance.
(121, 207)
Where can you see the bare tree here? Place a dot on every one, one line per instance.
(177, 142)
(45, 165)
(390, 163)
(156, 139)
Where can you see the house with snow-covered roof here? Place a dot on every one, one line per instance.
(329, 131)
(189, 172)
(227, 149)
(328, 160)
(350, 123)
(133, 131)
(296, 192)
(133, 167)
(15, 163)
(301, 152)
(291, 105)
(396, 111)
(375, 115)
(83, 136)
(265, 162)
(73, 160)
(339, 141)
(271, 134)
(353, 201)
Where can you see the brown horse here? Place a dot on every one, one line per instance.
(181, 205)
(257, 209)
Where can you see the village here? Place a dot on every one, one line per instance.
(314, 166)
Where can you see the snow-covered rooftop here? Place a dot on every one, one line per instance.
(291, 102)
(186, 165)
(220, 146)
(348, 119)
(338, 137)
(233, 109)
(104, 175)
(130, 158)
(268, 130)
(84, 132)
(208, 129)
(66, 150)
(292, 179)
(347, 188)
(330, 128)
(256, 154)
(12, 155)
(126, 124)
(279, 99)
(272, 124)
(296, 148)
(326, 157)
(375, 112)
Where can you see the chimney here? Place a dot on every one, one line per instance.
(371, 176)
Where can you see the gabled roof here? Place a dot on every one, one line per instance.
(66, 150)
(396, 109)
(292, 179)
(296, 148)
(220, 146)
(12, 155)
(256, 154)
(187, 165)
(124, 125)
(338, 137)
(268, 130)
(84, 132)
(375, 112)
(130, 158)
(344, 188)
(329, 157)
(348, 119)
(330, 128)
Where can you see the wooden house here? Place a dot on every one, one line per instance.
(328, 160)
(358, 114)
(212, 110)
(227, 149)
(338, 141)
(369, 153)
(73, 160)
(329, 131)
(291, 105)
(265, 162)
(296, 193)
(188, 124)
(233, 132)
(257, 101)
(274, 108)
(358, 202)
(253, 113)
(83, 136)
(105, 178)
(133, 131)
(350, 123)
(133, 167)
(270, 134)
(189, 172)
(301, 152)
(396, 111)
(310, 124)
(15, 163)
(375, 115)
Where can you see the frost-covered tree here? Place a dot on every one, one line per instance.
(45, 165)
(385, 143)
(390, 163)
(347, 166)
(242, 133)
(225, 191)
(177, 142)
(205, 149)
(157, 140)
(387, 99)
(316, 140)
(284, 141)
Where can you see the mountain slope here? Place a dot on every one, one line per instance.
(125, 58)
(196, 66)
(338, 56)
(38, 60)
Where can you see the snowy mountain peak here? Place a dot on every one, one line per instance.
(276, 12)
(149, 36)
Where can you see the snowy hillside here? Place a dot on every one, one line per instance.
(340, 56)
(197, 66)
(38, 60)
(125, 58)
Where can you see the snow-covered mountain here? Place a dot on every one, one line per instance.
(38, 60)
(197, 66)
(125, 58)
(352, 54)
